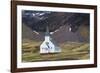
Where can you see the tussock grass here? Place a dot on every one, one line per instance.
(70, 51)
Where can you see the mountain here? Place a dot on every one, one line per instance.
(61, 36)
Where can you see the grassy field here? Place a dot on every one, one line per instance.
(70, 51)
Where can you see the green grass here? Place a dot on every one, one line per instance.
(69, 51)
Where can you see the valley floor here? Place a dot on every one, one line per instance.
(70, 51)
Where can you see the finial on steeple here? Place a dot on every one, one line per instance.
(47, 30)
